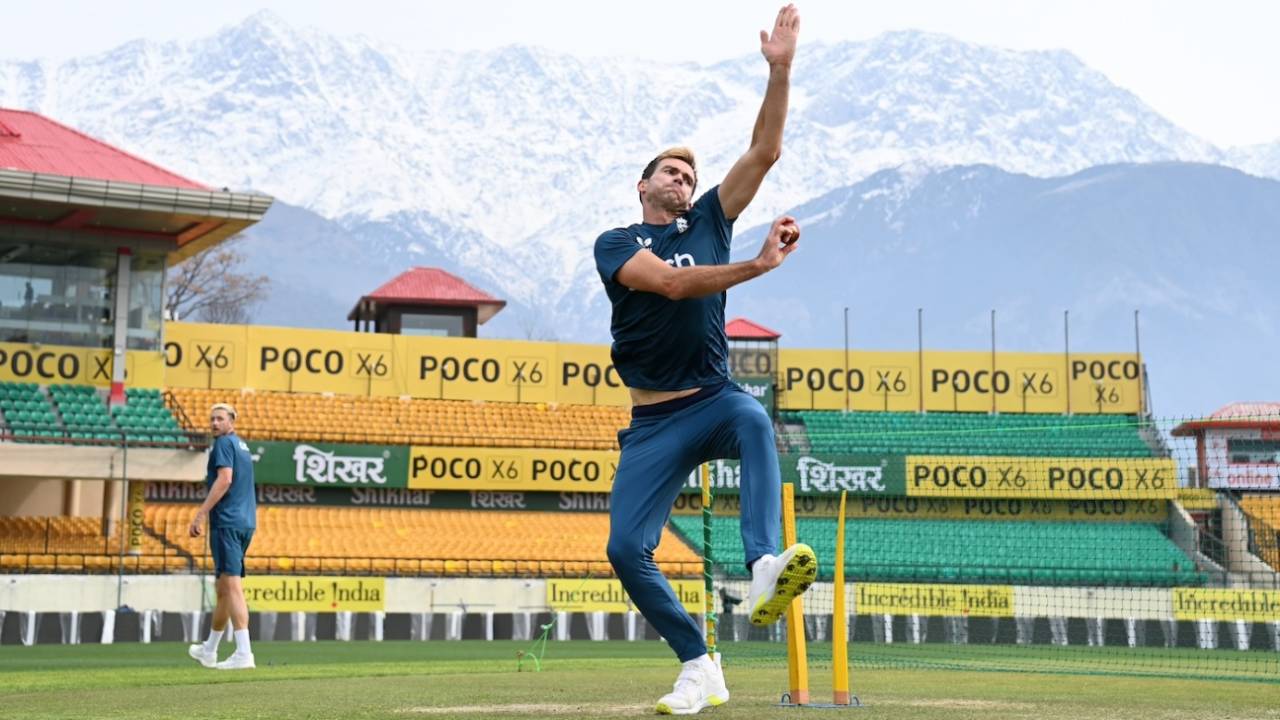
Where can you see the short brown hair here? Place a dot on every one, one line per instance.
(679, 153)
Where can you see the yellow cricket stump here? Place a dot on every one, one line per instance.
(839, 621)
(797, 657)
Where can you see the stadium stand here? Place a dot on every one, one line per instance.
(77, 544)
(1264, 513)
(972, 434)
(976, 551)
(1263, 506)
(84, 414)
(27, 412)
(377, 541)
(77, 413)
(393, 541)
(145, 417)
(402, 421)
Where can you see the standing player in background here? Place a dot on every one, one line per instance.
(231, 509)
(666, 278)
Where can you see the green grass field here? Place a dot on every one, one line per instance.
(476, 679)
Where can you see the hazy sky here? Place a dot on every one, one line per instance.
(1211, 67)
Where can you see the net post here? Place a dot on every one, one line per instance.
(840, 619)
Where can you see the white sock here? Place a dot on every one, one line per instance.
(215, 637)
(242, 642)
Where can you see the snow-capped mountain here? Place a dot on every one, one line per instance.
(509, 162)
(1261, 160)
(1191, 246)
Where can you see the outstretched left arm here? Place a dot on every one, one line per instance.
(743, 180)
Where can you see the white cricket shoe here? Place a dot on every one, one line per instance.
(200, 654)
(700, 684)
(776, 581)
(237, 661)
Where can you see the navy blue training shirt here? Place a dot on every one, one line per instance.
(239, 507)
(661, 344)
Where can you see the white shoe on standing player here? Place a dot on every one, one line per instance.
(699, 685)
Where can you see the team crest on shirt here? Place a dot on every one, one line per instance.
(681, 225)
(644, 242)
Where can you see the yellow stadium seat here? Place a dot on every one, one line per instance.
(301, 540)
(13, 563)
(333, 566)
(42, 563)
(313, 417)
(70, 563)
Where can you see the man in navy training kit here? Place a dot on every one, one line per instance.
(666, 278)
(231, 509)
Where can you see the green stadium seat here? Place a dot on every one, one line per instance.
(971, 434)
(971, 551)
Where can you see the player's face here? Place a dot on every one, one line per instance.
(671, 185)
(220, 423)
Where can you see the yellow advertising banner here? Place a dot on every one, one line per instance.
(137, 513)
(198, 355)
(1007, 382)
(473, 369)
(283, 593)
(1105, 383)
(60, 365)
(958, 382)
(821, 380)
(323, 361)
(585, 376)
(1226, 604)
(297, 360)
(377, 364)
(905, 599)
(1047, 478)
(523, 469)
(576, 595)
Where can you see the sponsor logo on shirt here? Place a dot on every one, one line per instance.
(679, 259)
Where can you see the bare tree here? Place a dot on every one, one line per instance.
(534, 326)
(213, 286)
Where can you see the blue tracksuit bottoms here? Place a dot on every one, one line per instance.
(663, 445)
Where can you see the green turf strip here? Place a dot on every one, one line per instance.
(580, 680)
